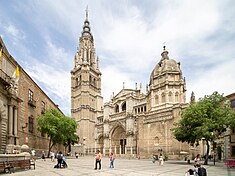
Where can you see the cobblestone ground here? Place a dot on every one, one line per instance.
(125, 167)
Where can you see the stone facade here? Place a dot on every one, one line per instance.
(21, 102)
(86, 99)
(228, 143)
(132, 123)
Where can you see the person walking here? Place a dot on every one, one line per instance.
(33, 154)
(52, 155)
(161, 160)
(43, 156)
(98, 159)
(197, 160)
(111, 159)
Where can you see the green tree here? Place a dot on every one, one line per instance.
(206, 119)
(59, 128)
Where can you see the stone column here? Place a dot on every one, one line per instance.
(10, 120)
(15, 121)
(10, 124)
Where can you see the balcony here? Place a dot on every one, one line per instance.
(4, 78)
(32, 103)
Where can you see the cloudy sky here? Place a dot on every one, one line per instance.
(42, 35)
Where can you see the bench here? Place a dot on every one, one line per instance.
(10, 166)
(229, 163)
(23, 164)
(7, 167)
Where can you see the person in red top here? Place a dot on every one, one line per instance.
(98, 159)
(111, 158)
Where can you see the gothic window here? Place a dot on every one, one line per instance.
(144, 108)
(31, 125)
(117, 108)
(176, 97)
(163, 98)
(170, 97)
(156, 99)
(94, 82)
(124, 106)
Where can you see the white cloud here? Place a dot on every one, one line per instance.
(129, 39)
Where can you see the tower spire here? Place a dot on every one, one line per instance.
(87, 13)
(86, 27)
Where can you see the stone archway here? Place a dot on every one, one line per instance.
(118, 140)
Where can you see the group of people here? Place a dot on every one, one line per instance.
(198, 170)
(98, 160)
(61, 163)
(160, 159)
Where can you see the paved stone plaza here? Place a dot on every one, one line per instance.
(133, 167)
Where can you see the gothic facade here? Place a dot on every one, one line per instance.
(132, 123)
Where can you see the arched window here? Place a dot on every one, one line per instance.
(170, 97)
(124, 106)
(117, 108)
(156, 99)
(163, 98)
(176, 97)
(94, 82)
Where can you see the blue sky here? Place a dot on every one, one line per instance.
(42, 35)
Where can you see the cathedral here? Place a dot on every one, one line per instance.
(133, 123)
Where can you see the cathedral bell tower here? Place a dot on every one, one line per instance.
(86, 99)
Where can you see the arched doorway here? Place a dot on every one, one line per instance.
(100, 143)
(118, 139)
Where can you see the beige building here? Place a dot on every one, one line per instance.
(86, 99)
(132, 123)
(21, 102)
(229, 137)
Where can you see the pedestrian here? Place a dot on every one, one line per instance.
(59, 159)
(197, 160)
(52, 155)
(111, 159)
(196, 169)
(98, 159)
(161, 160)
(76, 154)
(33, 154)
(43, 156)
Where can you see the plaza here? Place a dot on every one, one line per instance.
(132, 167)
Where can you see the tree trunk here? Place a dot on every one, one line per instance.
(50, 147)
(207, 152)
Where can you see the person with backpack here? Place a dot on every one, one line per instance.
(200, 171)
(59, 159)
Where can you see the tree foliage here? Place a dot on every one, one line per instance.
(206, 119)
(60, 128)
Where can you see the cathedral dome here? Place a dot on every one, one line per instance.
(165, 65)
